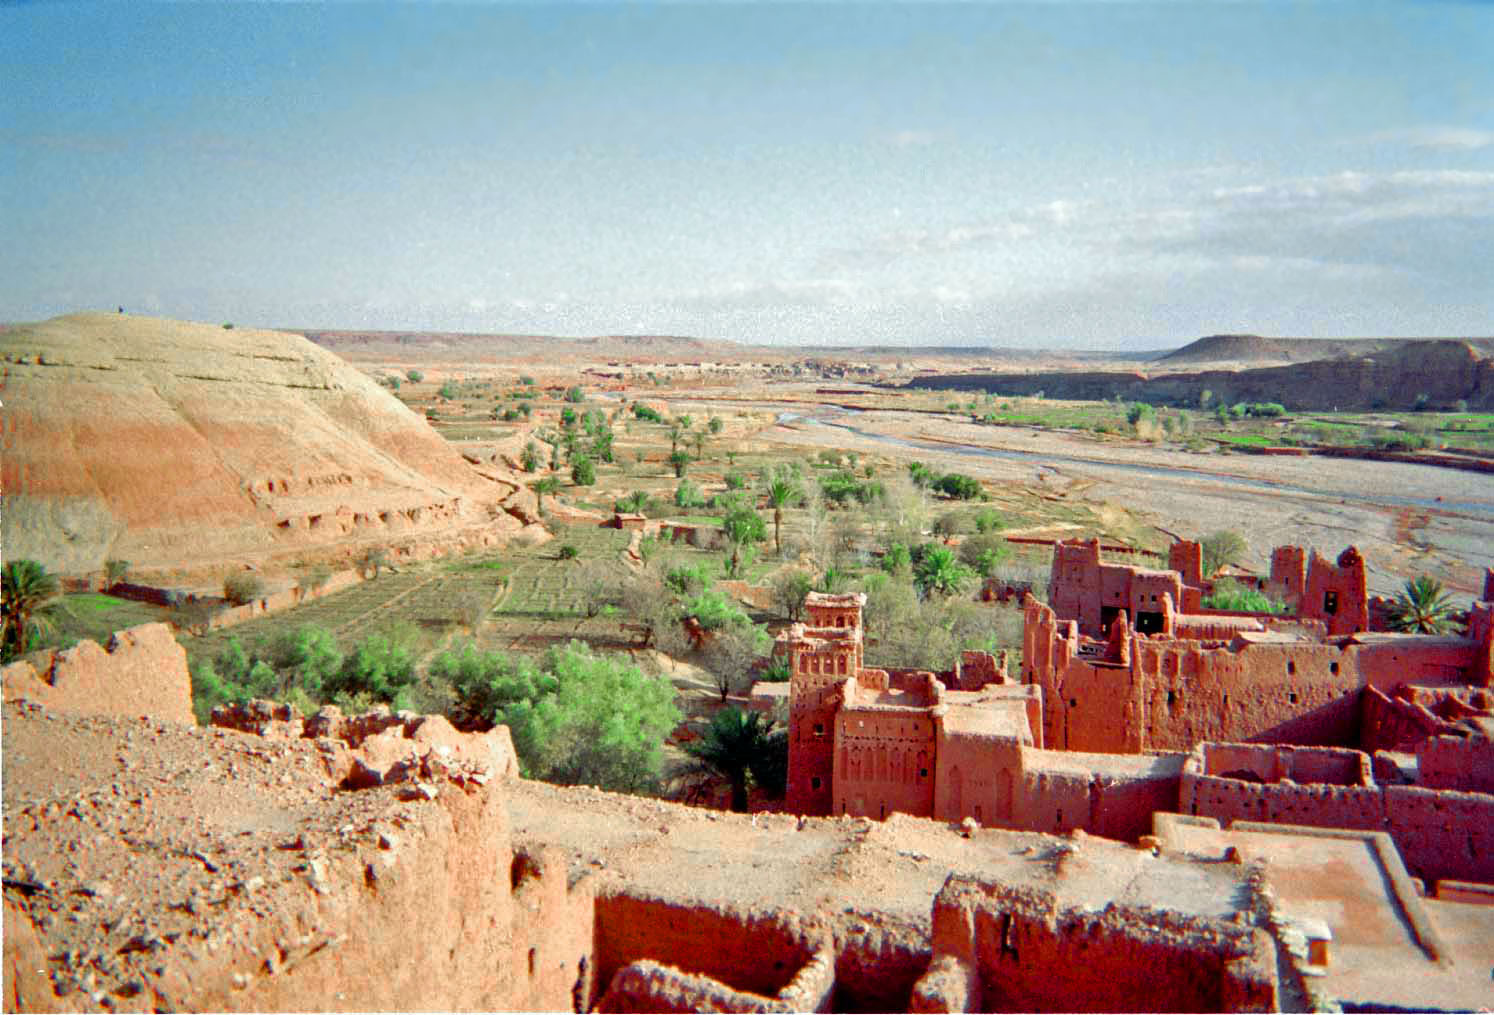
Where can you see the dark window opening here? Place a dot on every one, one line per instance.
(1073, 703)
(923, 773)
(531, 962)
(1292, 697)
(1172, 697)
(819, 729)
(1333, 668)
(1291, 667)
(1148, 622)
(1330, 603)
(814, 783)
(1107, 617)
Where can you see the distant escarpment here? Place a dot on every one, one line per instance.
(1410, 373)
(181, 447)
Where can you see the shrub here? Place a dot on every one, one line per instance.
(688, 495)
(715, 425)
(526, 380)
(989, 520)
(575, 394)
(447, 390)
(583, 471)
(789, 590)
(714, 612)
(643, 412)
(952, 523)
(576, 717)
(569, 551)
(1231, 595)
(735, 481)
(529, 458)
(115, 571)
(242, 587)
(896, 558)
(633, 503)
(958, 486)
(414, 376)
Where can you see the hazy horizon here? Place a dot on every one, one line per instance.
(1095, 176)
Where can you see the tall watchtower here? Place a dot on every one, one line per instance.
(822, 655)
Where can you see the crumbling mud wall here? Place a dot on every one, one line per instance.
(648, 986)
(752, 952)
(166, 867)
(1006, 948)
(1440, 833)
(143, 672)
(1161, 693)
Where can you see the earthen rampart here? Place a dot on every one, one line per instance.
(143, 672)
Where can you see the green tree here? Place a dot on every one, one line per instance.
(583, 471)
(783, 490)
(576, 717)
(633, 503)
(679, 460)
(29, 593)
(575, 394)
(939, 571)
(1422, 607)
(1221, 548)
(529, 458)
(958, 486)
(306, 657)
(688, 495)
(743, 527)
(714, 425)
(414, 376)
(789, 590)
(740, 745)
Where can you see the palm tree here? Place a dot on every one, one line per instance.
(28, 590)
(940, 571)
(1422, 607)
(782, 492)
(737, 744)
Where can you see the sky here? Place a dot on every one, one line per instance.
(1104, 175)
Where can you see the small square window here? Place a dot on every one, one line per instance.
(923, 773)
(819, 729)
(814, 783)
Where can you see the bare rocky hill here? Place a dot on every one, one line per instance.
(1445, 371)
(187, 446)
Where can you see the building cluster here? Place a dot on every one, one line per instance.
(1133, 699)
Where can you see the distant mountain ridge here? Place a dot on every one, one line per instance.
(1259, 349)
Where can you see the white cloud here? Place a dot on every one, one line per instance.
(1437, 138)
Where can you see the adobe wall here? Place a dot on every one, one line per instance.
(1395, 724)
(1456, 762)
(1335, 593)
(1440, 833)
(884, 760)
(1031, 954)
(248, 881)
(759, 953)
(553, 929)
(1176, 693)
(1081, 587)
(143, 672)
(648, 986)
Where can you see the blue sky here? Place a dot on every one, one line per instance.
(1095, 175)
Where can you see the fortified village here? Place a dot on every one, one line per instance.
(1196, 810)
(1160, 806)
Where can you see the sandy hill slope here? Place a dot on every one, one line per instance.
(182, 446)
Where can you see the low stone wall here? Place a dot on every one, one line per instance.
(143, 672)
(648, 986)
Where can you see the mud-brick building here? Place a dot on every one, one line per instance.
(1092, 593)
(1194, 675)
